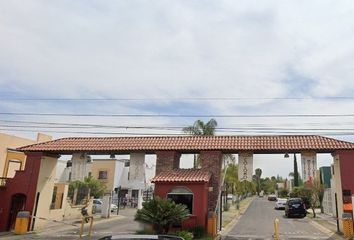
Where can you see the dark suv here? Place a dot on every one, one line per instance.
(295, 207)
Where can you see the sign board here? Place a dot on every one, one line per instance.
(245, 166)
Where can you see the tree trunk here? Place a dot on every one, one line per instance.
(314, 213)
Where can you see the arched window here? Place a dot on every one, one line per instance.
(182, 195)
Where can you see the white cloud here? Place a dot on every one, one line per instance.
(137, 49)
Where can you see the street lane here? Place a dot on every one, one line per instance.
(257, 223)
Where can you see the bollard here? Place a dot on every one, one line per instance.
(276, 229)
(85, 220)
(21, 224)
(211, 225)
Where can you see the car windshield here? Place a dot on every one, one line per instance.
(295, 201)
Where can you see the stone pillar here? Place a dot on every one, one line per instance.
(167, 160)
(106, 206)
(79, 166)
(137, 174)
(137, 168)
(245, 166)
(211, 161)
(308, 165)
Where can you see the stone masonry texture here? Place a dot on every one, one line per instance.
(167, 160)
(211, 161)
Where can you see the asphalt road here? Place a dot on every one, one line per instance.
(257, 223)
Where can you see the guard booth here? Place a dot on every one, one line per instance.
(189, 187)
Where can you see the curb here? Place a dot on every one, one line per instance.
(229, 226)
(326, 231)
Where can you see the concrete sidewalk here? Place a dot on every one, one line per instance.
(71, 228)
(326, 222)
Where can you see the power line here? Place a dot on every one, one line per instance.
(181, 134)
(181, 99)
(100, 133)
(125, 126)
(178, 115)
(221, 129)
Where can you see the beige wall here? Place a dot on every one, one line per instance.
(105, 165)
(74, 211)
(45, 187)
(11, 141)
(338, 188)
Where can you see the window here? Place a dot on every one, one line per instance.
(102, 175)
(181, 195)
(135, 193)
(126, 163)
(54, 197)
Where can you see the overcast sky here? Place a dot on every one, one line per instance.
(259, 51)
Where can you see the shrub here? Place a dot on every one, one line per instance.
(185, 235)
(198, 231)
(161, 214)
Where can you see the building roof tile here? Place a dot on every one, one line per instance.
(182, 175)
(257, 144)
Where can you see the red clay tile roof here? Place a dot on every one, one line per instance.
(257, 144)
(182, 175)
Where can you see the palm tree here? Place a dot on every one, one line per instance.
(200, 128)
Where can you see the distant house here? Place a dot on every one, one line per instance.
(11, 160)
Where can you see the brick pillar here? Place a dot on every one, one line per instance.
(167, 160)
(211, 161)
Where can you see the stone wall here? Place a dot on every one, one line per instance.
(167, 160)
(211, 161)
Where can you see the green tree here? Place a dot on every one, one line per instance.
(202, 129)
(161, 214)
(231, 178)
(296, 173)
(89, 186)
(257, 178)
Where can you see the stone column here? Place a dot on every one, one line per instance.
(211, 161)
(167, 160)
(308, 165)
(245, 166)
(79, 166)
(137, 174)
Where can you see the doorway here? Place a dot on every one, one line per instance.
(18, 202)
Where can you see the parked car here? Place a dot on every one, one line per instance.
(280, 203)
(97, 206)
(295, 207)
(272, 197)
(230, 196)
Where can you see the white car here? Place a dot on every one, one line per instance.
(97, 206)
(280, 203)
